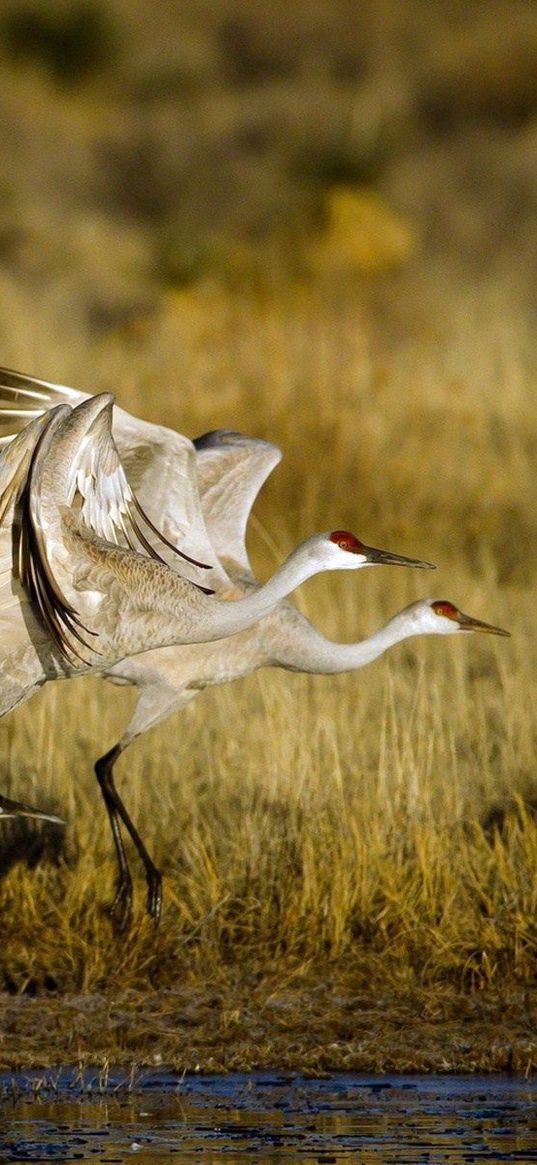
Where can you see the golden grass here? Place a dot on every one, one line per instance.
(339, 853)
(319, 826)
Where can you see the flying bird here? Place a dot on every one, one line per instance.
(225, 471)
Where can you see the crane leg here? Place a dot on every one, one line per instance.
(121, 907)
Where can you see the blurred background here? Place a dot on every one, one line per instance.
(144, 146)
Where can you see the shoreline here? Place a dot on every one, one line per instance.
(308, 1031)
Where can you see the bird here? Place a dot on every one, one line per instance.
(78, 582)
(229, 469)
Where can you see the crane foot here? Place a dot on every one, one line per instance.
(120, 909)
(154, 893)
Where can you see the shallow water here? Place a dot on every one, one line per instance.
(263, 1117)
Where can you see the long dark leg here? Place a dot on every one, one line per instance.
(10, 808)
(121, 907)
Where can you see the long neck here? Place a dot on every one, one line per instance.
(219, 619)
(171, 611)
(313, 652)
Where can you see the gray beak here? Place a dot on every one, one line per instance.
(467, 623)
(386, 558)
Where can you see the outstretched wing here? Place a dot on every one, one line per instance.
(110, 506)
(231, 469)
(76, 462)
(160, 465)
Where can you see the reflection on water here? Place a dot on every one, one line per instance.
(264, 1117)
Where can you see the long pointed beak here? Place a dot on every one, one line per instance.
(17, 809)
(467, 623)
(386, 558)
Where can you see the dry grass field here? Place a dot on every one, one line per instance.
(372, 831)
(350, 862)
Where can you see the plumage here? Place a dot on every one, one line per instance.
(230, 469)
(93, 598)
(158, 462)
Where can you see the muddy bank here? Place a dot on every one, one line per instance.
(239, 1027)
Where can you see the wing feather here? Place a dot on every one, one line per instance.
(75, 461)
(231, 469)
(23, 397)
(31, 559)
(15, 459)
(160, 465)
(109, 505)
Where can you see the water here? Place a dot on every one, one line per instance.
(246, 1119)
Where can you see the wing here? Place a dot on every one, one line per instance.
(24, 397)
(76, 462)
(159, 463)
(231, 469)
(110, 506)
(161, 466)
(32, 548)
(15, 459)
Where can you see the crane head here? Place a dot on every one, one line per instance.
(370, 555)
(457, 621)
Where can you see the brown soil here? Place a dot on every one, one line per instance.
(307, 1027)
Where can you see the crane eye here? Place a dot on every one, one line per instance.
(445, 608)
(346, 541)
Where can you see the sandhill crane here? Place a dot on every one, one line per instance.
(230, 469)
(72, 583)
